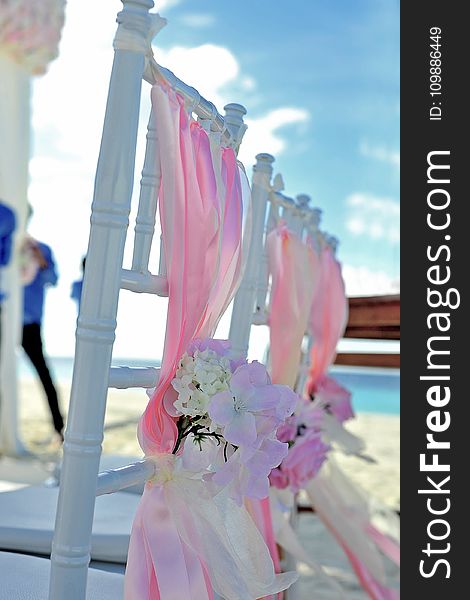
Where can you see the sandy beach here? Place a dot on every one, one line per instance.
(381, 478)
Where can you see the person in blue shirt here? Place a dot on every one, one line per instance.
(7, 227)
(43, 275)
(76, 291)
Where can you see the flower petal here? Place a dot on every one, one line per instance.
(221, 408)
(197, 456)
(257, 487)
(258, 373)
(262, 398)
(241, 431)
(240, 382)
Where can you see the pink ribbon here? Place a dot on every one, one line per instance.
(291, 264)
(335, 498)
(328, 317)
(229, 272)
(260, 512)
(200, 250)
(294, 268)
(388, 545)
(344, 509)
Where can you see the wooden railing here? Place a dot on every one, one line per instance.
(373, 318)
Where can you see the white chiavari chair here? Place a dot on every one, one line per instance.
(272, 207)
(81, 529)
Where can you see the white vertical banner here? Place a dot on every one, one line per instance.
(15, 91)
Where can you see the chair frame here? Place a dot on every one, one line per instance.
(80, 482)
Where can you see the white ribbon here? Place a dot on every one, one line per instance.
(130, 36)
(221, 532)
(335, 432)
(341, 505)
(282, 503)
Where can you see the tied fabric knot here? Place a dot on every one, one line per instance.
(135, 34)
(205, 529)
(164, 468)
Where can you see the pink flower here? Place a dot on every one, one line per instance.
(220, 347)
(279, 479)
(309, 415)
(335, 398)
(287, 432)
(247, 473)
(252, 409)
(302, 463)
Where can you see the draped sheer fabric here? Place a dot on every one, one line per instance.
(201, 231)
(336, 499)
(328, 317)
(344, 509)
(260, 512)
(294, 268)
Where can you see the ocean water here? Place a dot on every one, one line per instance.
(373, 390)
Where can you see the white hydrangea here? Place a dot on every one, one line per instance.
(197, 379)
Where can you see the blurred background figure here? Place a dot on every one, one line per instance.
(38, 272)
(7, 227)
(76, 292)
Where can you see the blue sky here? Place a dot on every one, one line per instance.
(339, 61)
(320, 80)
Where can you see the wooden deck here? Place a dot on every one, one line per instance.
(372, 318)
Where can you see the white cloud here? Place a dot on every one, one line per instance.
(162, 5)
(356, 225)
(208, 67)
(248, 84)
(264, 132)
(381, 153)
(362, 281)
(373, 216)
(198, 20)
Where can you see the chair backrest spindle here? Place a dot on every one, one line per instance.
(97, 322)
(244, 302)
(147, 210)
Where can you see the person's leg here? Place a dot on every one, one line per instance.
(32, 344)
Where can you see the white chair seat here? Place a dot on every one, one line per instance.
(27, 578)
(27, 518)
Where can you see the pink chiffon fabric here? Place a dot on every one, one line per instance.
(260, 512)
(338, 501)
(344, 509)
(201, 236)
(294, 268)
(291, 264)
(328, 317)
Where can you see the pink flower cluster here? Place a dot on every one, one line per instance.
(30, 31)
(229, 415)
(307, 451)
(334, 398)
(249, 414)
